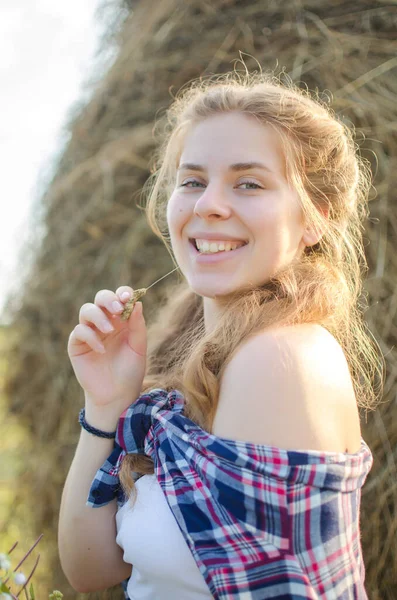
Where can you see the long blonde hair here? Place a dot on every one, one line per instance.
(323, 287)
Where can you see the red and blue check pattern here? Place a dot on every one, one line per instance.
(260, 521)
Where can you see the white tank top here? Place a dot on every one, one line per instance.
(163, 566)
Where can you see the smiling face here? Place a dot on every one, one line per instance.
(255, 205)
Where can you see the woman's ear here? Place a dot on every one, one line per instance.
(312, 235)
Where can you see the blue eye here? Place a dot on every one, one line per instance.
(242, 183)
(251, 183)
(190, 181)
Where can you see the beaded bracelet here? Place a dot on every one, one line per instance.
(93, 430)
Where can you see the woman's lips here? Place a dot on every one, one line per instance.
(204, 258)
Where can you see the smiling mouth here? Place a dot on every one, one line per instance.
(193, 243)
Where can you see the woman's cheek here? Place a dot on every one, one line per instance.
(181, 216)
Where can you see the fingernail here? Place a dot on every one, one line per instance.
(117, 306)
(125, 296)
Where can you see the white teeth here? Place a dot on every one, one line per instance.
(205, 246)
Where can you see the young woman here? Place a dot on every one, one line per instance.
(236, 416)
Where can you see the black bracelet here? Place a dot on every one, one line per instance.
(91, 429)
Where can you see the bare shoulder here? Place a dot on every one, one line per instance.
(290, 387)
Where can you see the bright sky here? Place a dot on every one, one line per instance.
(46, 53)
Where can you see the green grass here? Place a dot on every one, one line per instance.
(16, 519)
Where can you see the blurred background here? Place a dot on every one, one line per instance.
(49, 52)
(81, 87)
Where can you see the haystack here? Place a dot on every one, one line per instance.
(96, 236)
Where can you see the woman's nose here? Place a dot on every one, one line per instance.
(212, 201)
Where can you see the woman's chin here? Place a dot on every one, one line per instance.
(213, 290)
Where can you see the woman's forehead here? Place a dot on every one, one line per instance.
(230, 139)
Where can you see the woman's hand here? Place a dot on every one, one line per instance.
(113, 377)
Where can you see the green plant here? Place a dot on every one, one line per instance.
(18, 578)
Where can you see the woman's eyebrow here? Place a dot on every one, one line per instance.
(234, 167)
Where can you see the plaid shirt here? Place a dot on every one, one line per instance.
(260, 521)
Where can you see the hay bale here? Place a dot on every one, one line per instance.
(96, 235)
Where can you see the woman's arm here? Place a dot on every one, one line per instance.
(89, 555)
